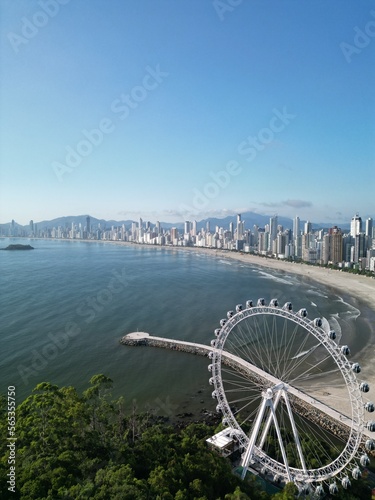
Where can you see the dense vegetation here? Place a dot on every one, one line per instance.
(89, 447)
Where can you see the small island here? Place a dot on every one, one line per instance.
(18, 247)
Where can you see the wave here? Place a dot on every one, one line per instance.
(275, 278)
(325, 325)
(334, 323)
(318, 294)
(353, 312)
(313, 304)
(225, 262)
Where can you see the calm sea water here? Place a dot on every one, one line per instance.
(65, 306)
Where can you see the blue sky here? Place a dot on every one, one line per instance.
(276, 94)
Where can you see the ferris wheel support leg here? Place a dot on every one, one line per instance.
(295, 432)
(249, 450)
(286, 464)
(269, 420)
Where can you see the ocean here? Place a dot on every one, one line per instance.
(65, 306)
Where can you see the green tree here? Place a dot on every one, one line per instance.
(290, 492)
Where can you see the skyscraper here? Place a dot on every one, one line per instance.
(231, 230)
(359, 247)
(174, 235)
(88, 224)
(355, 225)
(239, 227)
(333, 246)
(308, 227)
(187, 227)
(273, 231)
(296, 227)
(194, 232)
(369, 225)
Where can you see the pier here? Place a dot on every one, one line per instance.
(308, 407)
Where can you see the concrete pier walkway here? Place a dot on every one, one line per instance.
(323, 415)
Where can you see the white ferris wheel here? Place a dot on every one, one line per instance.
(268, 366)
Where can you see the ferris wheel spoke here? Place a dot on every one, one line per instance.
(309, 370)
(300, 361)
(238, 387)
(252, 336)
(264, 409)
(249, 417)
(239, 349)
(243, 407)
(251, 339)
(292, 357)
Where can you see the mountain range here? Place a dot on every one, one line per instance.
(250, 218)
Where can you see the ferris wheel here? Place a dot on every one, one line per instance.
(271, 369)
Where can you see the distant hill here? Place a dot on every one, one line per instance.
(250, 219)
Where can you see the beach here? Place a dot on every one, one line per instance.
(355, 285)
(360, 288)
(356, 289)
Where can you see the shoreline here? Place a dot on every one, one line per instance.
(354, 285)
(357, 287)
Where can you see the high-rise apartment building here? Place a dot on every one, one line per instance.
(239, 228)
(369, 225)
(308, 227)
(355, 225)
(332, 249)
(359, 247)
(273, 232)
(296, 227)
(336, 246)
(194, 231)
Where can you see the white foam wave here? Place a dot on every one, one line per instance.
(325, 325)
(352, 313)
(313, 304)
(225, 262)
(274, 278)
(336, 326)
(318, 294)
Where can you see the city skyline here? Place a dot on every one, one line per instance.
(255, 218)
(347, 249)
(177, 111)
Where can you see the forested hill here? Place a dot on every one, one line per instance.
(72, 446)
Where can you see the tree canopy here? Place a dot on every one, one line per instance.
(72, 446)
